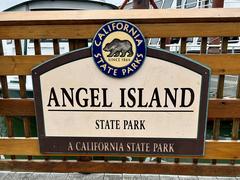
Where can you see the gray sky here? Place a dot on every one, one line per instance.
(8, 3)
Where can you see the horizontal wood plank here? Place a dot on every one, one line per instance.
(118, 167)
(224, 108)
(17, 107)
(218, 108)
(148, 30)
(214, 149)
(153, 23)
(219, 63)
(22, 65)
(101, 16)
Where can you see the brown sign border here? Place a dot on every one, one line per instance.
(183, 146)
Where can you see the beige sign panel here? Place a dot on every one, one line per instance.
(156, 75)
(162, 103)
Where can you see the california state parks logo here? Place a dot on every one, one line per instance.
(119, 49)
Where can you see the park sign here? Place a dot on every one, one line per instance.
(119, 97)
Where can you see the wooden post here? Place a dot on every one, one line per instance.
(220, 86)
(140, 4)
(215, 50)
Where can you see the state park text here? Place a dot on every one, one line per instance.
(120, 147)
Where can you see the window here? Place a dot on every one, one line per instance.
(159, 4)
(206, 4)
(189, 40)
(9, 41)
(174, 40)
(234, 39)
(153, 41)
(167, 4)
(190, 4)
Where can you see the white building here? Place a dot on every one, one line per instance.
(46, 44)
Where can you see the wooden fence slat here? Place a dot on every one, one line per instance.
(23, 92)
(95, 17)
(3, 78)
(163, 43)
(56, 49)
(18, 48)
(22, 88)
(9, 123)
(163, 23)
(235, 129)
(77, 43)
(118, 167)
(220, 91)
(218, 108)
(17, 107)
(224, 45)
(37, 46)
(213, 149)
(1, 47)
(219, 63)
(22, 65)
(157, 30)
(4, 86)
(216, 124)
(5, 94)
(203, 45)
(183, 44)
(236, 122)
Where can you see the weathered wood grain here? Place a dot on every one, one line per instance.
(220, 89)
(214, 149)
(37, 46)
(100, 16)
(163, 23)
(56, 48)
(22, 65)
(223, 108)
(116, 167)
(218, 108)
(17, 107)
(157, 30)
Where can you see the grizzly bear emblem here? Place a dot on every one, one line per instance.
(118, 48)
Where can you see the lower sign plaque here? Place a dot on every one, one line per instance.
(121, 98)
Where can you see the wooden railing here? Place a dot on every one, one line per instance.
(222, 157)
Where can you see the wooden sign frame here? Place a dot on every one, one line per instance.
(184, 146)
